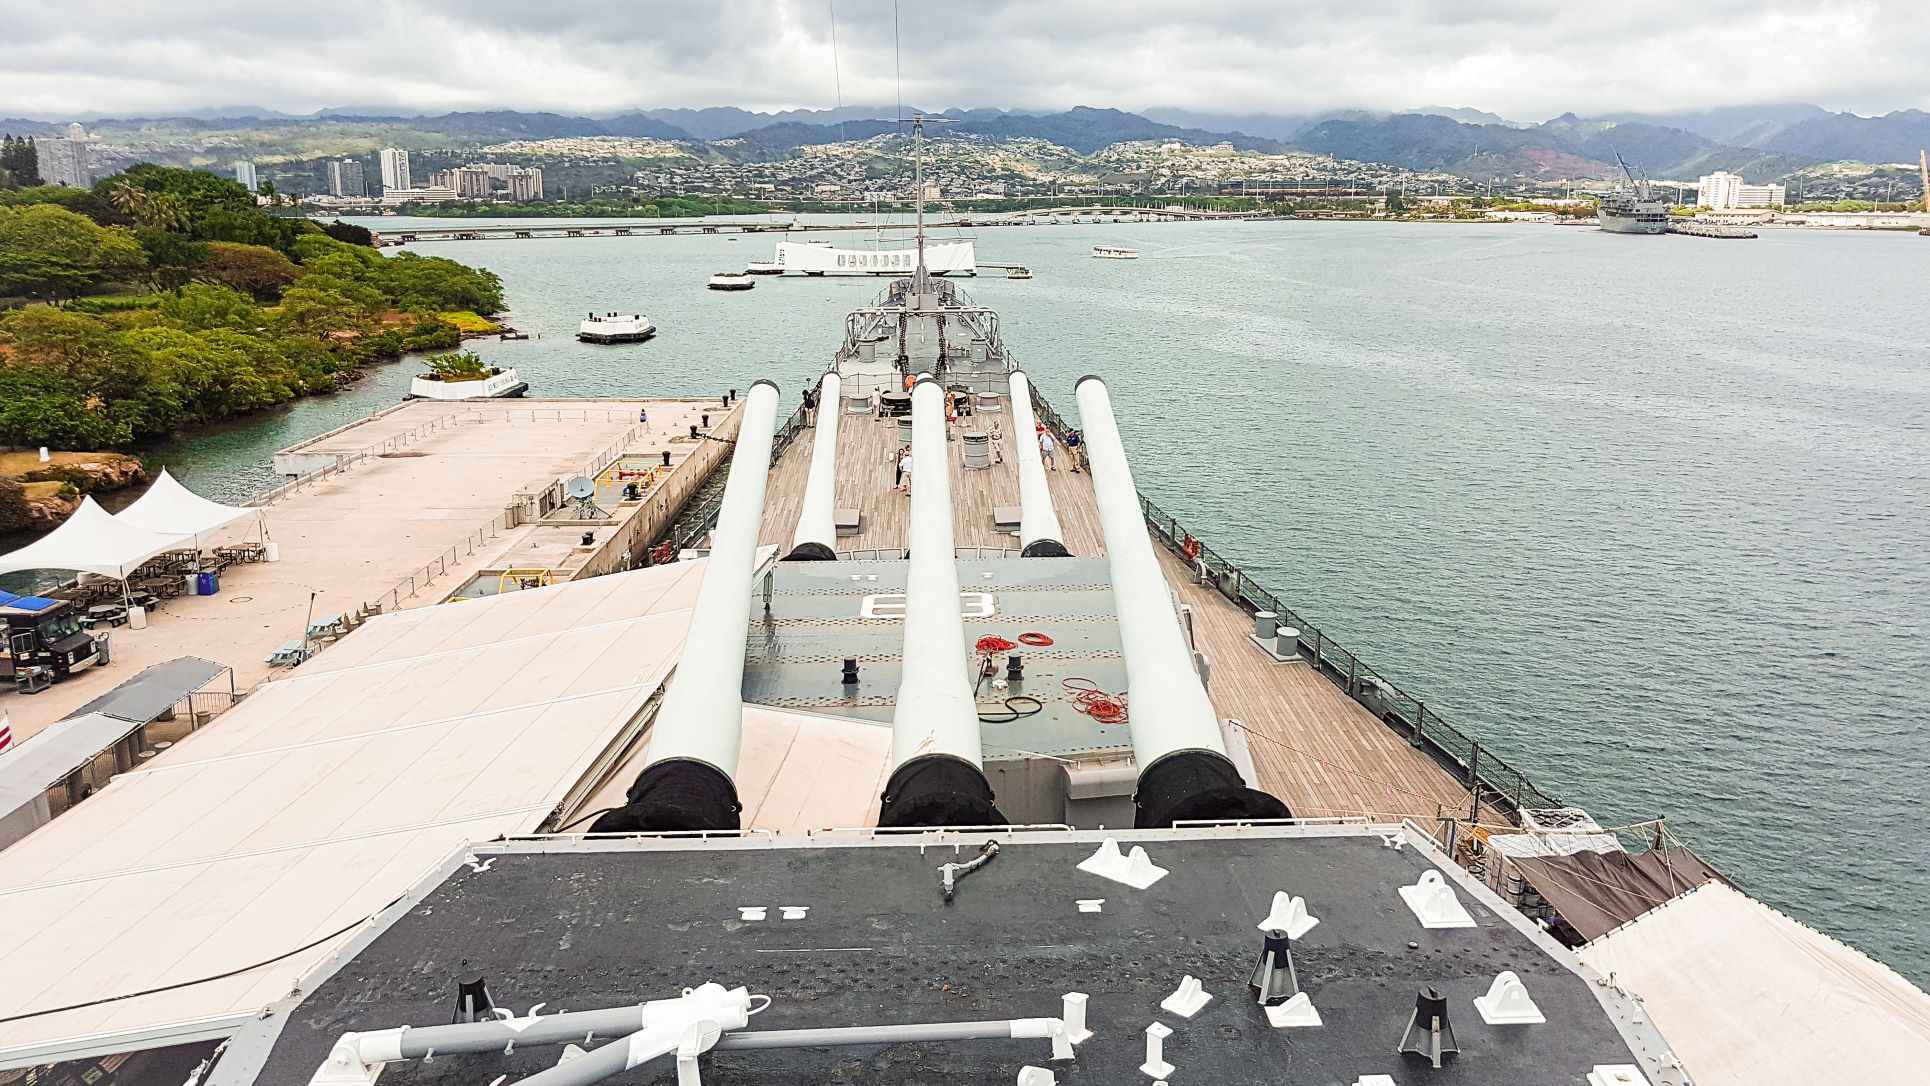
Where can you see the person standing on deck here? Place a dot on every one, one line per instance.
(904, 470)
(1048, 449)
(998, 443)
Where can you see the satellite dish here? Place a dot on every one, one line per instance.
(580, 488)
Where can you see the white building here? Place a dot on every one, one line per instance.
(395, 169)
(245, 173)
(1724, 191)
(345, 178)
(525, 184)
(431, 194)
(469, 181)
(63, 159)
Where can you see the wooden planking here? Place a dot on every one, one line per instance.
(866, 448)
(1314, 747)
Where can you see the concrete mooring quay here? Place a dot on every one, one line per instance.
(418, 504)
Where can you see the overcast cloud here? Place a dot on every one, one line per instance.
(1523, 60)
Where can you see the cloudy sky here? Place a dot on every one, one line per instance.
(1520, 59)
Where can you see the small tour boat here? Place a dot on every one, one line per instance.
(1114, 252)
(1019, 273)
(615, 328)
(732, 281)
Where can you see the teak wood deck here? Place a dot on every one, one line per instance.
(1315, 748)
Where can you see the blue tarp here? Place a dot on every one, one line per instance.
(25, 603)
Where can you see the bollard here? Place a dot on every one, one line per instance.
(1264, 624)
(705, 419)
(666, 458)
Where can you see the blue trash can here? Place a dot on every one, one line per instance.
(206, 584)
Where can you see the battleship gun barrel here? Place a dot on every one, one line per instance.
(816, 538)
(1184, 771)
(1039, 533)
(686, 782)
(936, 778)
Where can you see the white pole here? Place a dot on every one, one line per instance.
(935, 713)
(1170, 711)
(1039, 531)
(817, 527)
(702, 715)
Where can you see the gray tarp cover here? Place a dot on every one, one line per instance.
(155, 690)
(45, 759)
(1597, 892)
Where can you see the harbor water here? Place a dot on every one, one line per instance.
(1647, 516)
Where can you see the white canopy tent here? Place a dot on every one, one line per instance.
(93, 541)
(173, 509)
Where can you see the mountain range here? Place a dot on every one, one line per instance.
(1759, 142)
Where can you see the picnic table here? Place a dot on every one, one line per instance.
(105, 614)
(289, 653)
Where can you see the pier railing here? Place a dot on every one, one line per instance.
(1497, 782)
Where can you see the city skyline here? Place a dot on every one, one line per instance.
(1509, 58)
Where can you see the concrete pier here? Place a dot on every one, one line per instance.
(407, 507)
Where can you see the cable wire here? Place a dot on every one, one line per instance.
(344, 930)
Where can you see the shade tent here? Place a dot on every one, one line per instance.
(93, 541)
(173, 509)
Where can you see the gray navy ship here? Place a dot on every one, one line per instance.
(1010, 778)
(1635, 209)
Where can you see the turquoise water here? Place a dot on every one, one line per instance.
(1650, 517)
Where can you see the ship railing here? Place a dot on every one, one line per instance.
(701, 516)
(1489, 777)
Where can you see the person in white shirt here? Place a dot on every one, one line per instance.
(1048, 449)
(904, 471)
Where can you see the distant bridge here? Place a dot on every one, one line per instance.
(1095, 214)
(604, 228)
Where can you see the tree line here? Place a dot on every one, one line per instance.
(19, 162)
(163, 299)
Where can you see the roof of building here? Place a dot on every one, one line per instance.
(318, 800)
(1750, 997)
(873, 942)
(155, 689)
(54, 753)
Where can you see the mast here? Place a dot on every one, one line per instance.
(920, 281)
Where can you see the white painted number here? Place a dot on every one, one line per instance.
(891, 605)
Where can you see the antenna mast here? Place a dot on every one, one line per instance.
(921, 284)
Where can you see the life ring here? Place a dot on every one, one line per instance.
(1190, 548)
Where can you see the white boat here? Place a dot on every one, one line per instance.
(1114, 252)
(818, 258)
(763, 267)
(732, 281)
(1019, 273)
(499, 385)
(615, 328)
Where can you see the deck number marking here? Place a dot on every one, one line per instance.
(891, 605)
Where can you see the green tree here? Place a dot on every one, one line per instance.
(205, 306)
(308, 309)
(50, 252)
(171, 258)
(19, 162)
(40, 407)
(254, 269)
(55, 339)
